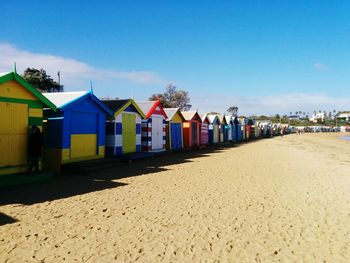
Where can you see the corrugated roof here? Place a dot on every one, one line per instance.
(145, 106)
(170, 112)
(62, 98)
(188, 115)
(115, 105)
(4, 73)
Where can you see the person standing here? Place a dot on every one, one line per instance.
(35, 143)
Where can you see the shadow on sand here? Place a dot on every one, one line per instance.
(67, 185)
(5, 219)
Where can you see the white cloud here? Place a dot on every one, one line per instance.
(321, 67)
(271, 104)
(74, 72)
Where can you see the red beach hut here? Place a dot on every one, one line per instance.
(191, 128)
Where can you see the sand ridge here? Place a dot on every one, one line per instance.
(282, 199)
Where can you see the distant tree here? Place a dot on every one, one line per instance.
(290, 113)
(173, 98)
(233, 110)
(41, 80)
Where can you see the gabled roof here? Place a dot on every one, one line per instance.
(189, 115)
(235, 120)
(118, 106)
(5, 77)
(170, 112)
(228, 119)
(213, 117)
(222, 119)
(64, 100)
(205, 117)
(149, 106)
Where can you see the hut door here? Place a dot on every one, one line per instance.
(176, 136)
(157, 133)
(13, 133)
(194, 133)
(216, 133)
(129, 133)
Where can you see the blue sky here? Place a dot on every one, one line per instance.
(263, 56)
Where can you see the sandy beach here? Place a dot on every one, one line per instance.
(281, 199)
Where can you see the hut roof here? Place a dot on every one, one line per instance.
(60, 99)
(222, 119)
(228, 119)
(117, 106)
(213, 117)
(8, 76)
(170, 112)
(149, 106)
(205, 117)
(189, 115)
(63, 100)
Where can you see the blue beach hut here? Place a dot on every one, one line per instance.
(76, 131)
(229, 128)
(238, 130)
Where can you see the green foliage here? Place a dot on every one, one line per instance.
(41, 80)
(173, 98)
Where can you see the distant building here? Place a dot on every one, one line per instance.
(294, 117)
(318, 117)
(343, 115)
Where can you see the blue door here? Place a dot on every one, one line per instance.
(234, 133)
(176, 142)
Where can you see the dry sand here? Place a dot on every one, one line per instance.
(282, 199)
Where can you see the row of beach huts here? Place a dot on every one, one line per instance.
(78, 126)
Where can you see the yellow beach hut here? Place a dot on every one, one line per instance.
(21, 106)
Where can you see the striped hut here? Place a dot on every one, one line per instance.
(153, 137)
(205, 130)
(123, 133)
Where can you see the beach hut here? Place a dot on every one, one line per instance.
(205, 130)
(191, 128)
(256, 129)
(228, 128)
(21, 106)
(238, 129)
(243, 128)
(123, 133)
(234, 132)
(76, 132)
(174, 126)
(153, 137)
(249, 127)
(222, 130)
(214, 128)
